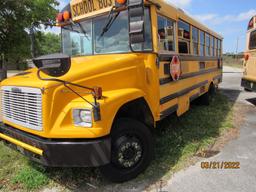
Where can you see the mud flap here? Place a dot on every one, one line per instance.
(183, 105)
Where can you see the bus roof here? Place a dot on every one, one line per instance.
(166, 8)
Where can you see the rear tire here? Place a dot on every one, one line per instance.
(206, 98)
(132, 150)
(212, 90)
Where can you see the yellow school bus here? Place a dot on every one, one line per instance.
(249, 77)
(124, 66)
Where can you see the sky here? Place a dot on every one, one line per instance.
(229, 18)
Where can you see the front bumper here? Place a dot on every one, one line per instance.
(250, 85)
(58, 153)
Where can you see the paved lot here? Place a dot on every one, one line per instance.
(243, 150)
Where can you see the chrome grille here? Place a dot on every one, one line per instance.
(22, 106)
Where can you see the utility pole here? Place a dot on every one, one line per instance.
(237, 44)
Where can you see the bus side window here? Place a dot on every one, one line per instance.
(183, 47)
(202, 43)
(212, 46)
(184, 37)
(207, 45)
(219, 47)
(216, 47)
(195, 38)
(166, 34)
(252, 43)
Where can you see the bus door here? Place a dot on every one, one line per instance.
(168, 74)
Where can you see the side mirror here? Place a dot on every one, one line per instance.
(54, 65)
(136, 21)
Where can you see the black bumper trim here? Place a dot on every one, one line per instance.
(250, 85)
(62, 152)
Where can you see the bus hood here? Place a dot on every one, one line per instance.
(92, 69)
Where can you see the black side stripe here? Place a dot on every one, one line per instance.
(164, 81)
(181, 93)
(169, 111)
(202, 72)
(168, 57)
(197, 58)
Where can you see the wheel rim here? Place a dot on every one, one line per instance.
(128, 152)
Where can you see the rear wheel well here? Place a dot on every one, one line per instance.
(137, 109)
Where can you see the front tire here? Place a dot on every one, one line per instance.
(132, 150)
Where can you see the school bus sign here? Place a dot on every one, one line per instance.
(86, 8)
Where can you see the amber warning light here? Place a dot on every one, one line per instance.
(63, 17)
(121, 2)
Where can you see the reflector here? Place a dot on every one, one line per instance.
(98, 92)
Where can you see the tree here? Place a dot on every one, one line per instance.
(47, 43)
(16, 19)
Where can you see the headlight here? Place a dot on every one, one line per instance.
(82, 117)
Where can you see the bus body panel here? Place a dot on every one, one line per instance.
(249, 76)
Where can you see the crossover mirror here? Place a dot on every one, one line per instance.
(136, 21)
(54, 65)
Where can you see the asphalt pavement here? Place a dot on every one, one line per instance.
(242, 150)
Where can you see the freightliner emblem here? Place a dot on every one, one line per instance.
(16, 90)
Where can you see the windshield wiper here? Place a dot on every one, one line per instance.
(110, 20)
(72, 29)
(83, 30)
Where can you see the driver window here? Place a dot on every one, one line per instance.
(76, 42)
(166, 34)
(184, 37)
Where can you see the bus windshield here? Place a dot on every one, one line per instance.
(85, 38)
(252, 44)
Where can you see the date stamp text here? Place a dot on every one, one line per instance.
(220, 165)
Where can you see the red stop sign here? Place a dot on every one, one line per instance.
(175, 68)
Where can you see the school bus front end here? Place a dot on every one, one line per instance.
(124, 66)
(44, 118)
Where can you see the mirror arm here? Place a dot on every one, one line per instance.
(66, 83)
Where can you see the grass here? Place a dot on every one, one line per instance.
(32, 177)
(177, 141)
(232, 61)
